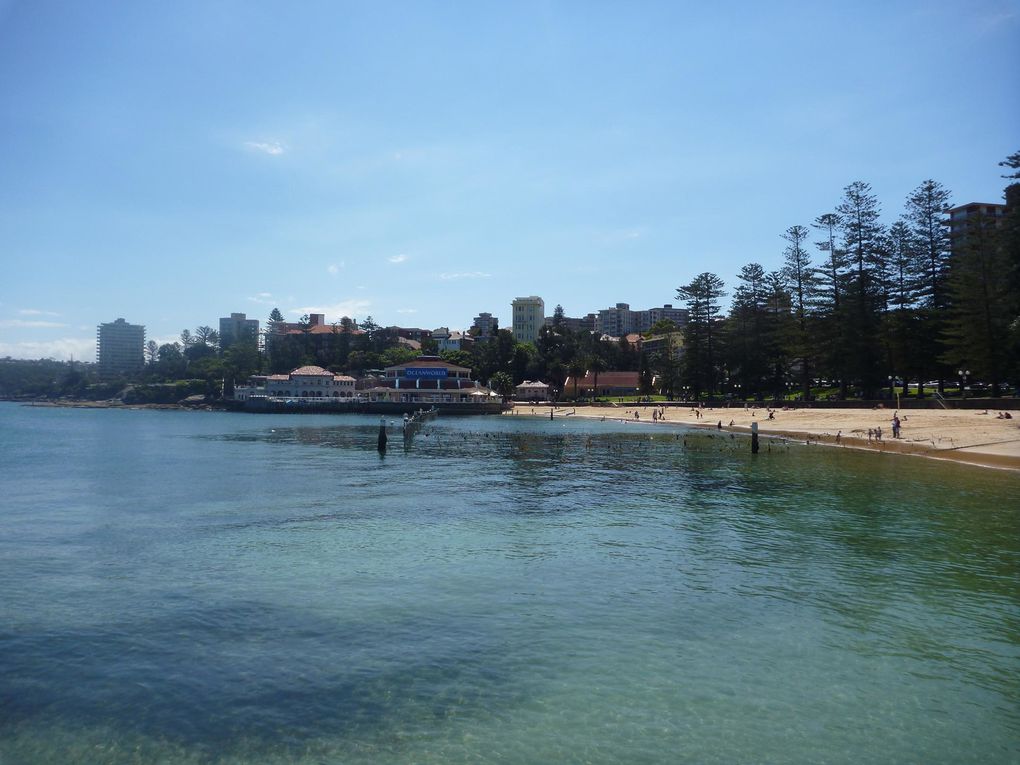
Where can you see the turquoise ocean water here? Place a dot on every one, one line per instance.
(184, 587)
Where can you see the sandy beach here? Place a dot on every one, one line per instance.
(968, 436)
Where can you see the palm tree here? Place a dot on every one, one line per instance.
(503, 384)
(576, 370)
(596, 365)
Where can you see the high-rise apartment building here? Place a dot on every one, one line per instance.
(238, 328)
(621, 320)
(676, 315)
(486, 324)
(574, 323)
(120, 348)
(964, 218)
(528, 317)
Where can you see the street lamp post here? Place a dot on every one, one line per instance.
(893, 391)
(964, 374)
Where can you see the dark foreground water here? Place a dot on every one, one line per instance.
(206, 588)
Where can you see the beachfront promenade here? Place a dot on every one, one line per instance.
(963, 435)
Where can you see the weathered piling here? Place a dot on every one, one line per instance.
(382, 436)
(754, 438)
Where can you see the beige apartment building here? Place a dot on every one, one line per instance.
(120, 348)
(529, 316)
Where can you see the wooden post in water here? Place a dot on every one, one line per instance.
(382, 435)
(754, 438)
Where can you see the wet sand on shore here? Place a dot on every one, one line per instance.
(963, 435)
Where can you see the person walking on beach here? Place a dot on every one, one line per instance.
(895, 426)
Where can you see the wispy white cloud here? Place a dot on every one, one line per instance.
(465, 275)
(994, 20)
(620, 236)
(273, 148)
(397, 258)
(163, 339)
(265, 298)
(407, 310)
(334, 268)
(64, 349)
(36, 312)
(334, 311)
(30, 323)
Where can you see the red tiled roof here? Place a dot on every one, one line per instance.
(309, 371)
(320, 329)
(607, 380)
(428, 361)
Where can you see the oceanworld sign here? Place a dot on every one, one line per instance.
(425, 373)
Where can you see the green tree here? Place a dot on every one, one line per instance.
(702, 296)
(979, 328)
(1013, 163)
(576, 369)
(358, 361)
(924, 216)
(901, 320)
(747, 331)
(558, 315)
(398, 355)
(240, 361)
(1009, 240)
(662, 327)
(863, 240)
(206, 335)
(645, 376)
(171, 364)
(198, 351)
(802, 281)
(829, 306)
(460, 358)
(496, 355)
(779, 326)
(596, 364)
(369, 327)
(503, 384)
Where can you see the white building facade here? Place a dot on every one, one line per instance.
(528, 318)
(302, 383)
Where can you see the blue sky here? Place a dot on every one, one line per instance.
(421, 162)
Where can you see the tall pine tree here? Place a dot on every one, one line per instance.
(926, 208)
(801, 281)
(862, 236)
(701, 340)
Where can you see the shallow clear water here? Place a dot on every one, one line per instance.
(193, 587)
